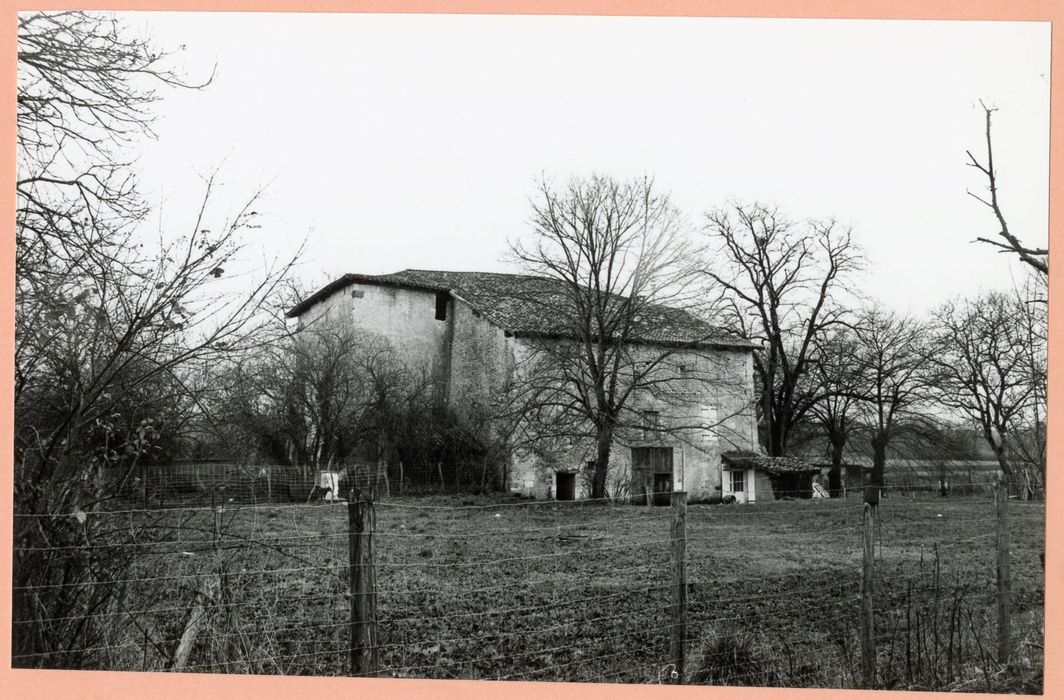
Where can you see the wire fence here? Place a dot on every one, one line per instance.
(208, 481)
(775, 593)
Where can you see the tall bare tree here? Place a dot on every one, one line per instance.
(893, 353)
(987, 372)
(617, 263)
(1032, 311)
(780, 281)
(1006, 241)
(109, 322)
(837, 380)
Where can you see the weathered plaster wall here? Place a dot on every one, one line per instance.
(705, 410)
(482, 358)
(405, 317)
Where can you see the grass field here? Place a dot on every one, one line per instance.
(470, 587)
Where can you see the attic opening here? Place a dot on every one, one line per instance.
(441, 306)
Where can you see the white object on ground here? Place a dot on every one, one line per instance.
(331, 482)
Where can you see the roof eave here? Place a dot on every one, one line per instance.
(352, 278)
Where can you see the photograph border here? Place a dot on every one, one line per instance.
(18, 683)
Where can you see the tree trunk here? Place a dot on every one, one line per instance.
(775, 434)
(1003, 461)
(835, 474)
(604, 443)
(998, 447)
(879, 461)
(1006, 467)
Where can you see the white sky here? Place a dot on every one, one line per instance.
(398, 141)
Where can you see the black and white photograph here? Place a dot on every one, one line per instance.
(637, 350)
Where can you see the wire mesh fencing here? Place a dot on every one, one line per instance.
(510, 588)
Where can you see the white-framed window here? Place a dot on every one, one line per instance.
(738, 481)
(709, 421)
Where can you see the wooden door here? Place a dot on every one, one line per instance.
(652, 471)
(662, 488)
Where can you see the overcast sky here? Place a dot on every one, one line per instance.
(398, 141)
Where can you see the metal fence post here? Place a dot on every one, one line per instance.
(678, 638)
(868, 644)
(363, 624)
(1004, 574)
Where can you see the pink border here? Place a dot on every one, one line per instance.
(86, 684)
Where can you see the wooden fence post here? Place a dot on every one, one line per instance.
(217, 535)
(210, 586)
(363, 625)
(201, 600)
(1004, 574)
(678, 639)
(868, 644)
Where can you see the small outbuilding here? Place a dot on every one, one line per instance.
(746, 475)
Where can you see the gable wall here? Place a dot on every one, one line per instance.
(405, 317)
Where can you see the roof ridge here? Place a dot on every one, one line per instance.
(513, 302)
(473, 272)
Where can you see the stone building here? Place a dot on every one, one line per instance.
(477, 331)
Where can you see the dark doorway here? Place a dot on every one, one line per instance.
(565, 486)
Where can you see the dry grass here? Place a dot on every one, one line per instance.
(471, 587)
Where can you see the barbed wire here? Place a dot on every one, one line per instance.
(588, 584)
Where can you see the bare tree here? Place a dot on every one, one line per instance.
(110, 325)
(1032, 312)
(334, 397)
(115, 332)
(1006, 241)
(779, 283)
(84, 94)
(987, 371)
(612, 263)
(837, 379)
(894, 355)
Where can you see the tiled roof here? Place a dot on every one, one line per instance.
(764, 463)
(530, 306)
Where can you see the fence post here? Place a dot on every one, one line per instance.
(868, 644)
(678, 639)
(363, 625)
(217, 534)
(1004, 575)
